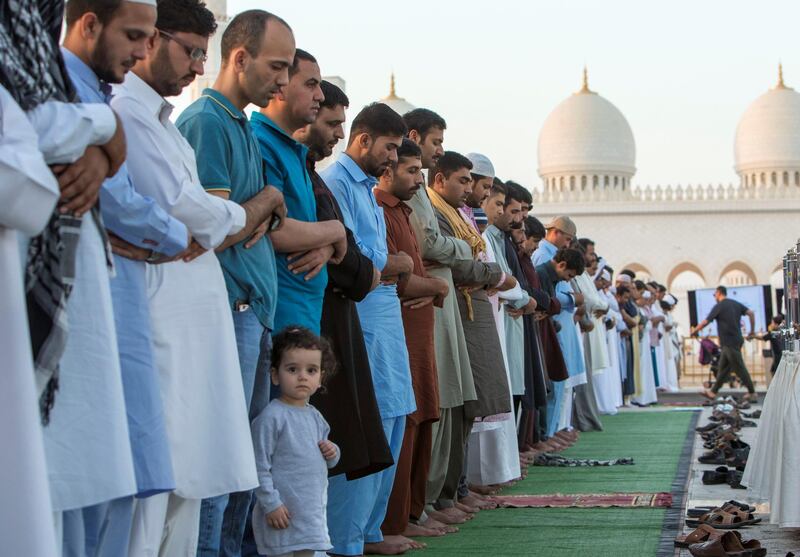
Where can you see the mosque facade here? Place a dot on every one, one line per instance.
(685, 237)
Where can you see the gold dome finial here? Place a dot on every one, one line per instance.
(585, 86)
(392, 90)
(780, 84)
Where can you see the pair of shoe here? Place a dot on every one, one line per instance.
(727, 544)
(734, 453)
(724, 475)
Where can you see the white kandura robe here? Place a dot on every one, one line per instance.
(646, 376)
(493, 451)
(670, 361)
(608, 384)
(772, 473)
(598, 352)
(28, 194)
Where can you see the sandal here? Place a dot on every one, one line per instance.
(725, 520)
(728, 545)
(703, 533)
(700, 511)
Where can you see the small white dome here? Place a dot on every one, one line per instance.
(768, 134)
(398, 104)
(586, 133)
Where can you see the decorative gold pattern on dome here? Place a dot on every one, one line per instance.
(780, 84)
(585, 87)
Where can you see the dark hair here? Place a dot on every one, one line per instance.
(609, 268)
(525, 195)
(622, 290)
(640, 285)
(186, 16)
(334, 96)
(778, 319)
(103, 9)
(722, 290)
(661, 288)
(515, 192)
(533, 227)
(293, 337)
(573, 258)
(300, 54)
(423, 120)
(628, 272)
(498, 187)
(665, 306)
(585, 243)
(408, 148)
(247, 30)
(377, 120)
(448, 163)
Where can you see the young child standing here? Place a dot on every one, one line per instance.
(293, 453)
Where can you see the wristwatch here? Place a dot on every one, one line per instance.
(153, 256)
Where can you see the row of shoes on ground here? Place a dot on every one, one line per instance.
(724, 475)
(715, 533)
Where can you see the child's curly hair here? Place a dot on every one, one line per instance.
(295, 336)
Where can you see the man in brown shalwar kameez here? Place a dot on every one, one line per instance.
(419, 293)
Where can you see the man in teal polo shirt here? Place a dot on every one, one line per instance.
(303, 246)
(257, 51)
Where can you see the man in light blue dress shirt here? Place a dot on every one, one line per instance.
(141, 228)
(560, 232)
(356, 509)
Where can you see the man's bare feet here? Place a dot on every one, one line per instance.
(478, 503)
(433, 524)
(385, 548)
(450, 516)
(483, 489)
(469, 509)
(418, 531)
(402, 540)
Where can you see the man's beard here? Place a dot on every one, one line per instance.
(166, 80)
(100, 63)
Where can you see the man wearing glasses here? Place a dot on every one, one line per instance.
(193, 329)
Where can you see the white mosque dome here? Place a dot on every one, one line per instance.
(586, 134)
(398, 104)
(768, 134)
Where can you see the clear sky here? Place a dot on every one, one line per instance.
(682, 71)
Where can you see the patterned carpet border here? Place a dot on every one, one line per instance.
(589, 500)
(673, 516)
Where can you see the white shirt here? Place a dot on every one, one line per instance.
(66, 129)
(28, 194)
(158, 150)
(192, 323)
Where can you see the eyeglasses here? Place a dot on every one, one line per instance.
(195, 53)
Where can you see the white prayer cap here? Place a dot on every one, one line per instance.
(670, 299)
(481, 165)
(606, 275)
(625, 279)
(647, 295)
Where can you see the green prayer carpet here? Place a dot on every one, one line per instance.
(654, 439)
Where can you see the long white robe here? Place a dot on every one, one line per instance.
(597, 337)
(646, 375)
(608, 384)
(670, 361)
(193, 336)
(28, 193)
(493, 452)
